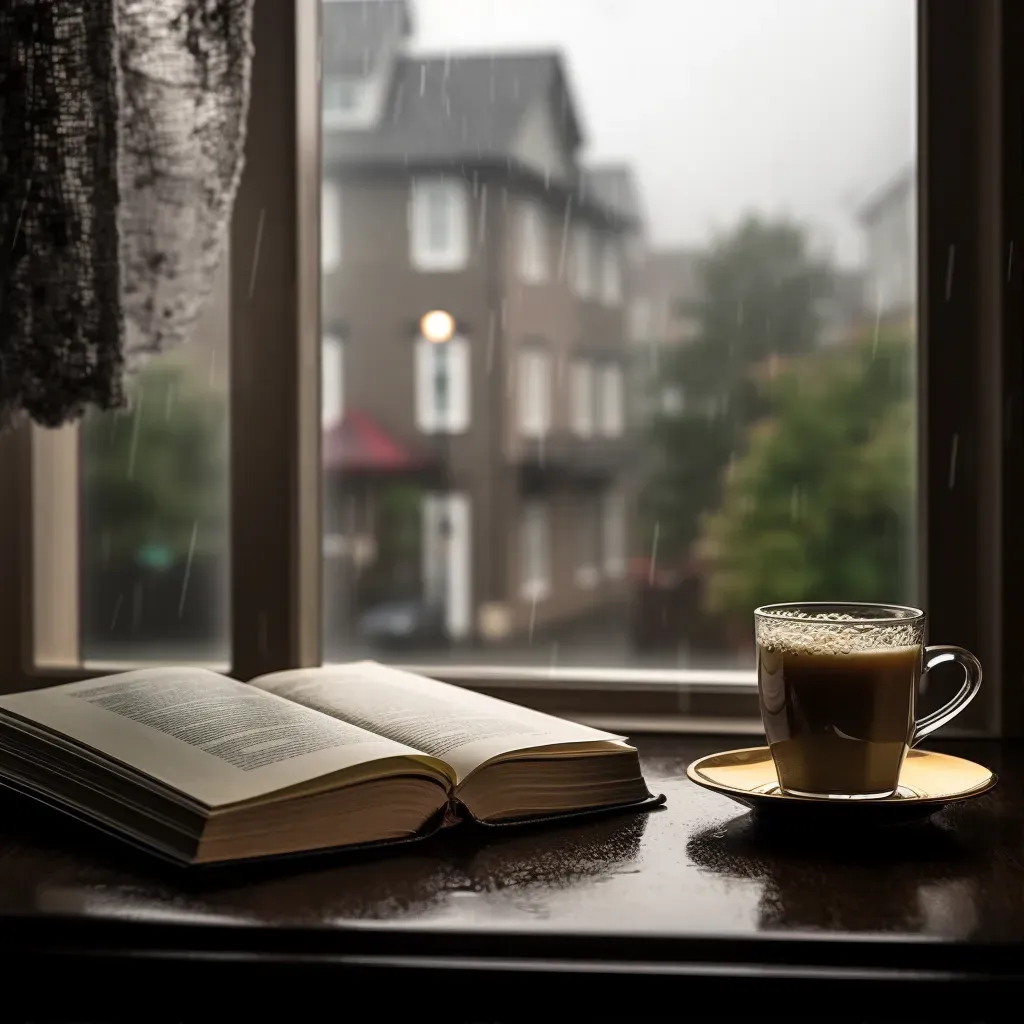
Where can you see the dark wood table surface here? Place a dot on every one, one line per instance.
(695, 897)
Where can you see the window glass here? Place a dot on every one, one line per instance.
(332, 368)
(581, 397)
(439, 224)
(534, 392)
(533, 254)
(330, 226)
(154, 509)
(725, 414)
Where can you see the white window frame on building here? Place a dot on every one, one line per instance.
(332, 380)
(439, 224)
(535, 550)
(612, 401)
(581, 397)
(442, 385)
(534, 391)
(534, 254)
(330, 226)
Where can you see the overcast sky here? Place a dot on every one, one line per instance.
(723, 106)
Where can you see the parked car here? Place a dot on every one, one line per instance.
(403, 623)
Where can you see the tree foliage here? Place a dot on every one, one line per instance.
(760, 299)
(821, 505)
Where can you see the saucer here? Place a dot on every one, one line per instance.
(928, 782)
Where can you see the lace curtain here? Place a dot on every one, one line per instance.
(121, 134)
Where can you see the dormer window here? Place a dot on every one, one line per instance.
(344, 98)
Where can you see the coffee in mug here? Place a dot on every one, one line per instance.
(838, 686)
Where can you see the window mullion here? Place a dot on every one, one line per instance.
(275, 354)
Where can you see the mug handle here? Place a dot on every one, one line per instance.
(972, 682)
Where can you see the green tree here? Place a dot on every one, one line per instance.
(821, 505)
(155, 473)
(760, 299)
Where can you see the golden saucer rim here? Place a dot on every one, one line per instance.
(789, 799)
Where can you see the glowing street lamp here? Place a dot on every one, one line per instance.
(437, 326)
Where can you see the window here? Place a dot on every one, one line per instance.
(442, 386)
(330, 226)
(722, 522)
(583, 261)
(533, 243)
(534, 392)
(341, 95)
(613, 534)
(611, 272)
(640, 319)
(332, 380)
(446, 549)
(588, 538)
(581, 397)
(439, 230)
(611, 408)
(535, 552)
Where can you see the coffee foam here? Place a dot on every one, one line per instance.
(833, 633)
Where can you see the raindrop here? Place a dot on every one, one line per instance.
(117, 610)
(423, 79)
(21, 213)
(533, 616)
(256, 251)
(563, 248)
(654, 554)
(188, 568)
(950, 260)
(953, 450)
(878, 322)
(135, 435)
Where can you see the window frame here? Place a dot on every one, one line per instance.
(331, 224)
(533, 245)
(970, 94)
(535, 398)
(454, 256)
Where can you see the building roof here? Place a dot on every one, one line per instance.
(355, 32)
(456, 107)
(896, 189)
(358, 444)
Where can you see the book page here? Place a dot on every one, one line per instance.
(214, 739)
(463, 728)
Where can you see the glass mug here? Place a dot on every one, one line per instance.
(837, 684)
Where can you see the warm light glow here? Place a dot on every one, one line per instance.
(437, 326)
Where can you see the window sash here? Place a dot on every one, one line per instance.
(969, 88)
(439, 224)
(533, 243)
(332, 380)
(581, 387)
(534, 397)
(330, 226)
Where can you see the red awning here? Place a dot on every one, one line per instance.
(358, 444)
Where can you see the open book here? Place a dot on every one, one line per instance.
(202, 768)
